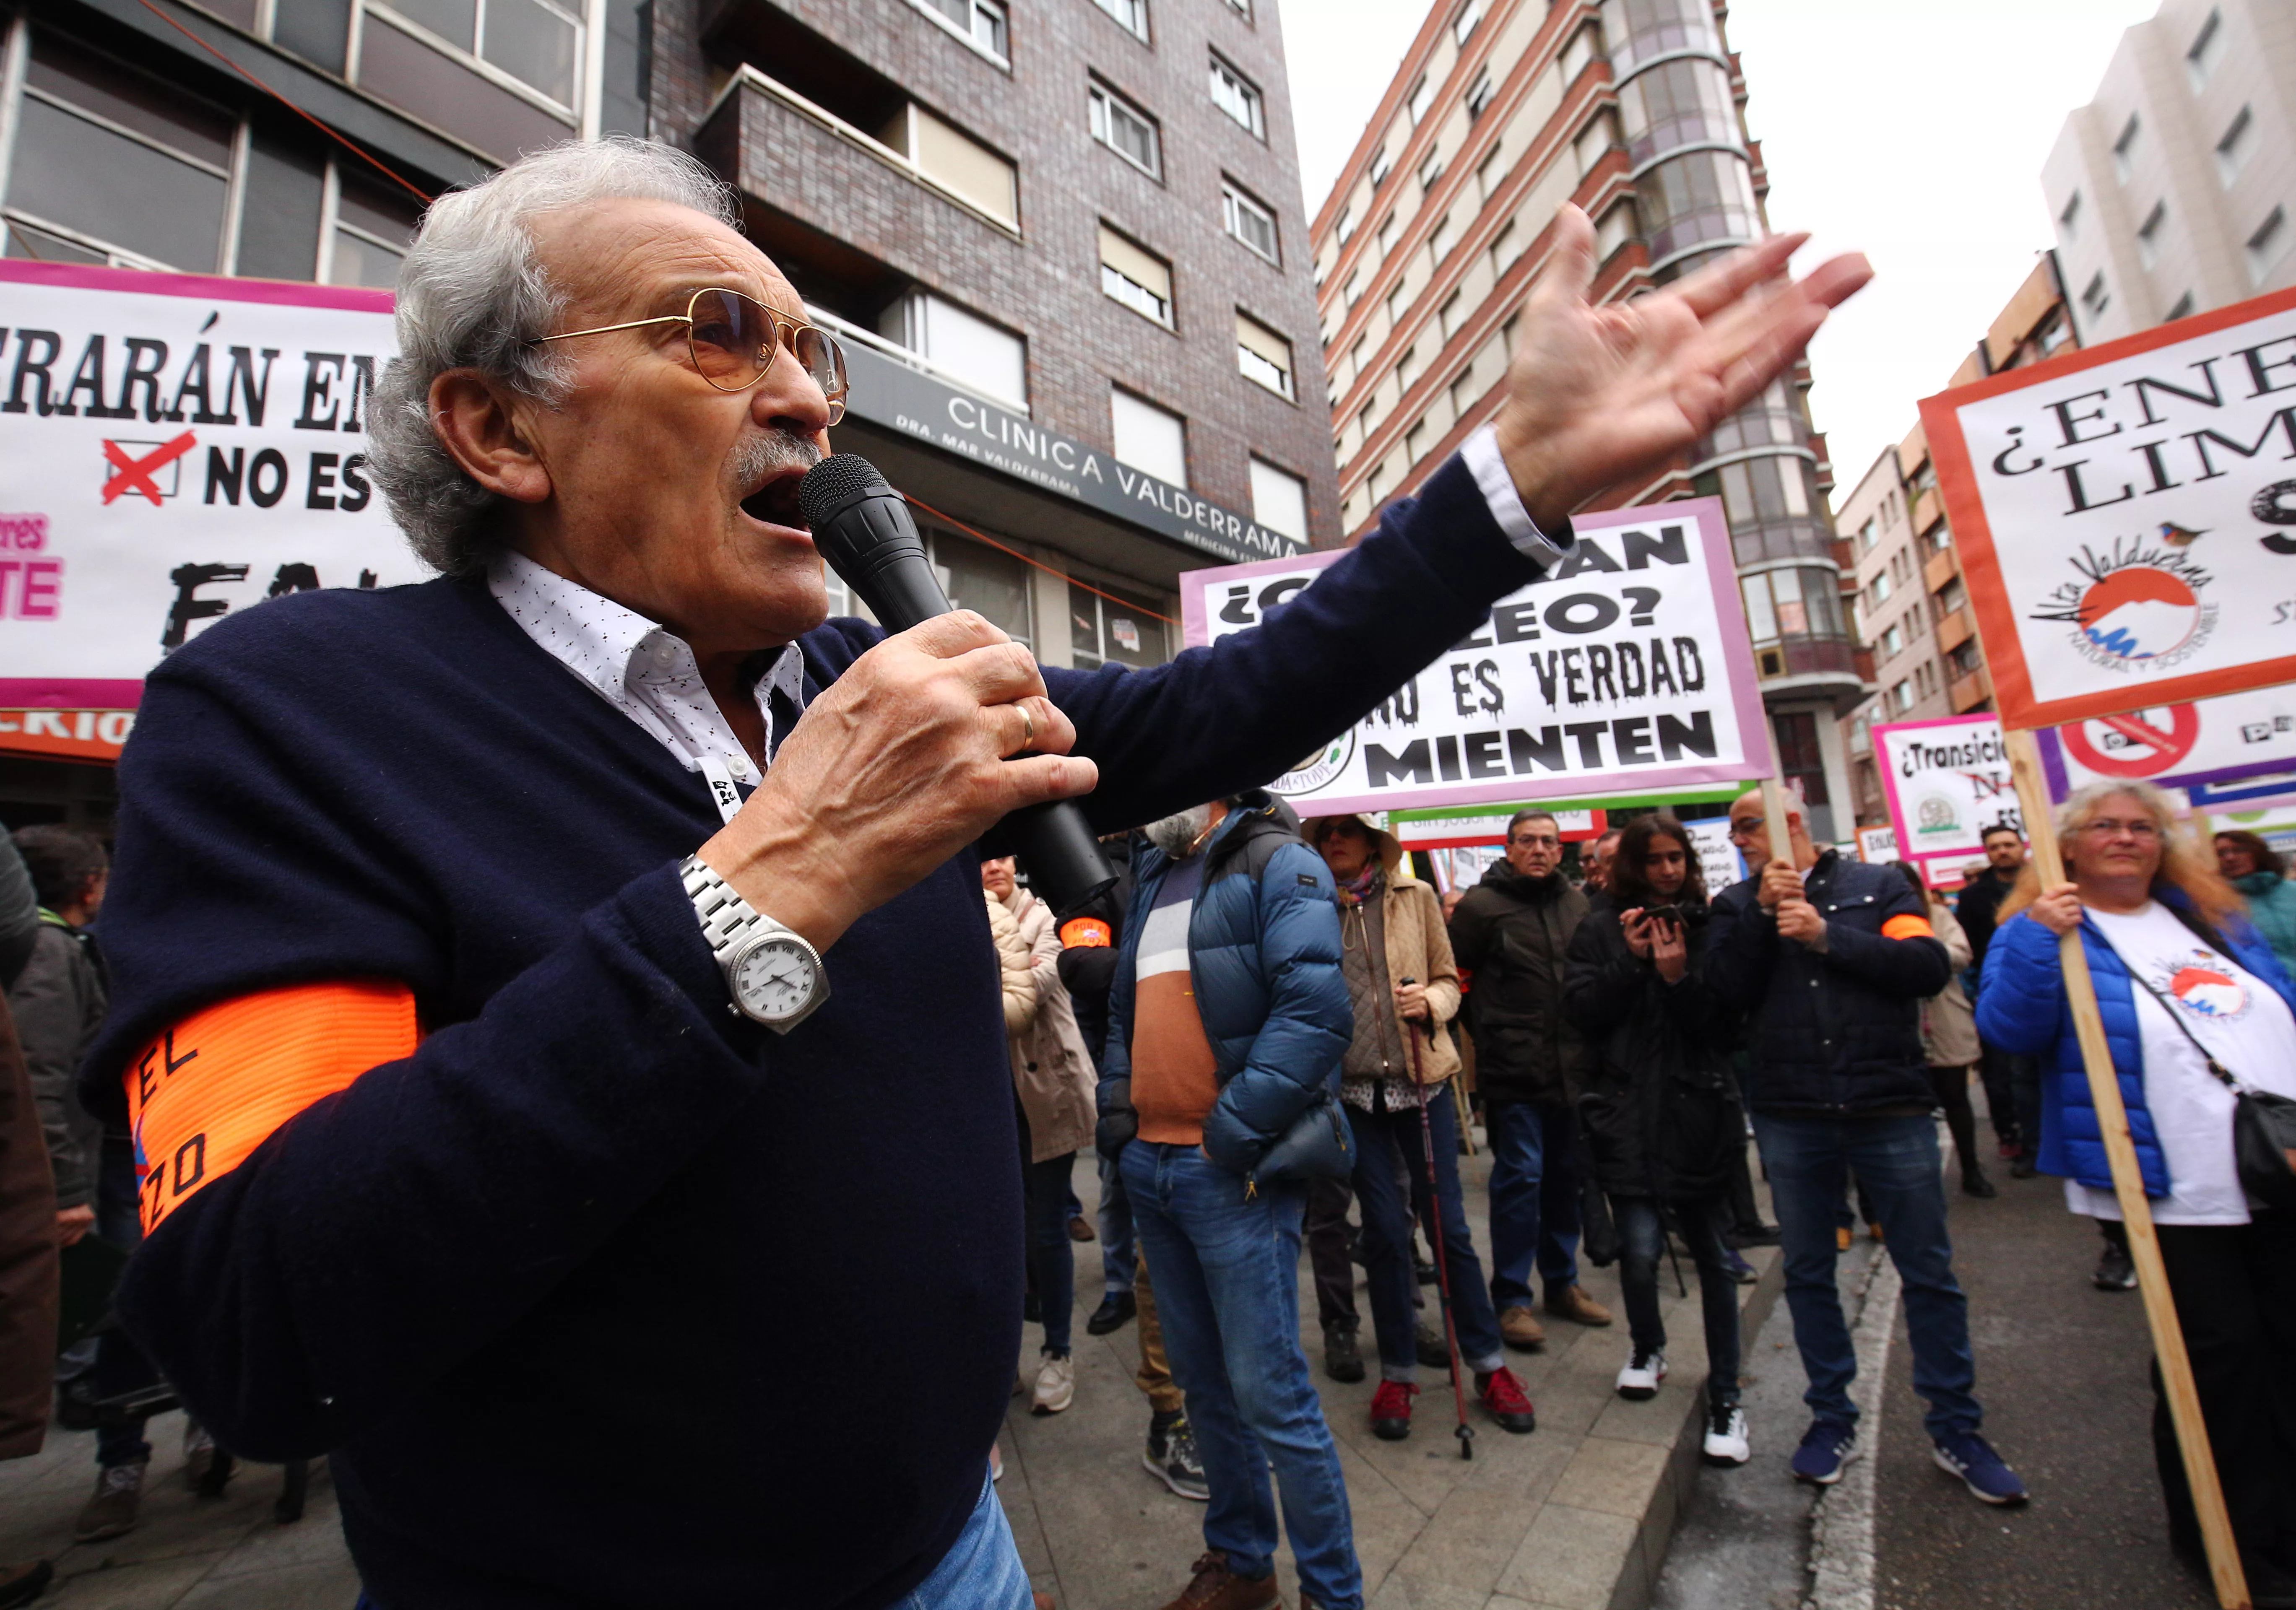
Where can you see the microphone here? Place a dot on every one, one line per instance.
(862, 527)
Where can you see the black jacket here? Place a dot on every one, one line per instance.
(1834, 1031)
(1980, 899)
(1660, 1113)
(1514, 932)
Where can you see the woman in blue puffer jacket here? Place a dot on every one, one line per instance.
(2177, 966)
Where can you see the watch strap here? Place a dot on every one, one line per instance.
(725, 916)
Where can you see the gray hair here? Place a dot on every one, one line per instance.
(472, 295)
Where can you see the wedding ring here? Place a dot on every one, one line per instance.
(1029, 741)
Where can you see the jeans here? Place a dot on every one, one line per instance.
(1897, 1163)
(1226, 1267)
(120, 1366)
(1381, 1138)
(1534, 1199)
(1642, 1245)
(1051, 1256)
(1115, 1256)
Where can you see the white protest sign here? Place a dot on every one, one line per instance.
(1625, 670)
(1877, 843)
(1946, 782)
(2127, 515)
(173, 448)
(1720, 863)
(2219, 739)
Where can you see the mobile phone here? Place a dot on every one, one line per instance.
(1663, 913)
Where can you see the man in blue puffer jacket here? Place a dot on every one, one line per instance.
(1219, 1099)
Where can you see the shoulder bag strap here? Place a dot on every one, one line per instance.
(2222, 1073)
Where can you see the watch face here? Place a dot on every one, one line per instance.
(775, 978)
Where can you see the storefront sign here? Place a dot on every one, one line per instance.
(892, 393)
(1625, 670)
(91, 735)
(2127, 515)
(173, 448)
(1948, 782)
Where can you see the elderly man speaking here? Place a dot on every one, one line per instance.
(588, 1259)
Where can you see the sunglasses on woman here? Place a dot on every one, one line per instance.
(732, 338)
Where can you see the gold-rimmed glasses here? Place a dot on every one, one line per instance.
(732, 338)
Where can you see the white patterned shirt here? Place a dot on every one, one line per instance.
(643, 670)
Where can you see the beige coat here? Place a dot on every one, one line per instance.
(1948, 1022)
(1015, 968)
(1052, 1070)
(1418, 946)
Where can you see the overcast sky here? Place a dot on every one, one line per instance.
(1912, 132)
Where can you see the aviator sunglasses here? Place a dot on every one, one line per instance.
(732, 338)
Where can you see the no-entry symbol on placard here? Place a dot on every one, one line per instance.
(2144, 750)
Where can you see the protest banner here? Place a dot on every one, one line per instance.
(1625, 669)
(1877, 845)
(2211, 741)
(1947, 782)
(178, 447)
(2127, 515)
(1720, 863)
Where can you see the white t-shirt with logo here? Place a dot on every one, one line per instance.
(2240, 1019)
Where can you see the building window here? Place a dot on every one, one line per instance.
(1148, 438)
(1263, 356)
(2148, 234)
(2124, 150)
(1105, 627)
(958, 162)
(1422, 97)
(535, 42)
(1345, 227)
(2182, 310)
(1489, 172)
(1893, 641)
(1388, 228)
(1480, 96)
(1248, 221)
(985, 580)
(1366, 417)
(1415, 441)
(1504, 249)
(1430, 171)
(1242, 8)
(1616, 228)
(2071, 217)
(1438, 244)
(1793, 603)
(2232, 151)
(1279, 500)
(1407, 368)
(1131, 15)
(1464, 393)
(1136, 277)
(1451, 314)
(1463, 23)
(1902, 695)
(1868, 534)
(980, 21)
(1882, 585)
(1585, 45)
(1380, 166)
(2097, 299)
(2201, 60)
(1125, 130)
(2266, 246)
(373, 228)
(2056, 331)
(1377, 484)
(961, 345)
(1801, 762)
(1238, 96)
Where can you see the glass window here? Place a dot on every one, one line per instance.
(1761, 620)
(1135, 277)
(1420, 98)
(2071, 216)
(1238, 97)
(1104, 627)
(1480, 96)
(1131, 14)
(1463, 23)
(982, 22)
(2148, 234)
(2207, 46)
(962, 346)
(1453, 311)
(2232, 151)
(2124, 149)
(2097, 299)
(1249, 222)
(1388, 228)
(373, 231)
(1149, 437)
(977, 577)
(1680, 103)
(1279, 500)
(1430, 170)
(1640, 29)
(1125, 130)
(2266, 245)
(1439, 243)
(1381, 166)
(1702, 197)
(536, 42)
(1263, 356)
(2182, 310)
(1346, 226)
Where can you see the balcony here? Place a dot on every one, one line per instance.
(1940, 569)
(1954, 630)
(1970, 691)
(1927, 508)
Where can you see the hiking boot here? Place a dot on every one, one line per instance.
(1639, 1378)
(1055, 1384)
(1390, 1410)
(1725, 1442)
(20, 1584)
(2115, 1271)
(1520, 1329)
(1342, 1357)
(111, 1511)
(1970, 1457)
(1825, 1448)
(1433, 1350)
(1572, 1304)
(1215, 1587)
(1078, 1230)
(1115, 1312)
(1171, 1457)
(1506, 1402)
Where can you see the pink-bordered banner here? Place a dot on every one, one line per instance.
(1626, 670)
(175, 448)
(1947, 780)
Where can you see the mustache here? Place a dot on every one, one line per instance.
(772, 450)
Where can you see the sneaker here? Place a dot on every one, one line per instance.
(1115, 1312)
(1638, 1380)
(1967, 1455)
(1078, 1230)
(1825, 1448)
(1055, 1384)
(110, 1512)
(1433, 1350)
(1171, 1457)
(1725, 1436)
(1572, 1304)
(1390, 1410)
(1842, 1238)
(2115, 1270)
(1740, 1270)
(1506, 1402)
(1520, 1329)
(1215, 1587)
(1342, 1356)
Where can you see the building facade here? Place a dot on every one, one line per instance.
(2173, 189)
(1503, 110)
(1063, 245)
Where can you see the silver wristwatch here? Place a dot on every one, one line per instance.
(773, 976)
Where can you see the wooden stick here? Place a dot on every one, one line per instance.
(1466, 1113)
(1774, 816)
(2129, 1188)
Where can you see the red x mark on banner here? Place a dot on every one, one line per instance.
(135, 474)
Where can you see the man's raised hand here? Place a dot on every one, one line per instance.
(1601, 395)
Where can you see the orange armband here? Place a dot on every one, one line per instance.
(214, 1087)
(1909, 926)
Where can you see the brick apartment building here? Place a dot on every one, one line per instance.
(1634, 109)
(1064, 243)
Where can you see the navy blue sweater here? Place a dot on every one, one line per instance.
(604, 1296)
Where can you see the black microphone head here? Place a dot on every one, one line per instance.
(836, 484)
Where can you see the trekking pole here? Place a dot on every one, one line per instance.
(1465, 1433)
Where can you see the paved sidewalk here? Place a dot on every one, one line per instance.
(1574, 1516)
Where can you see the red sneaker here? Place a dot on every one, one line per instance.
(1390, 1410)
(1508, 1403)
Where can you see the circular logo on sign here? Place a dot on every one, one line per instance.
(1317, 769)
(2142, 612)
(2133, 745)
(1935, 815)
